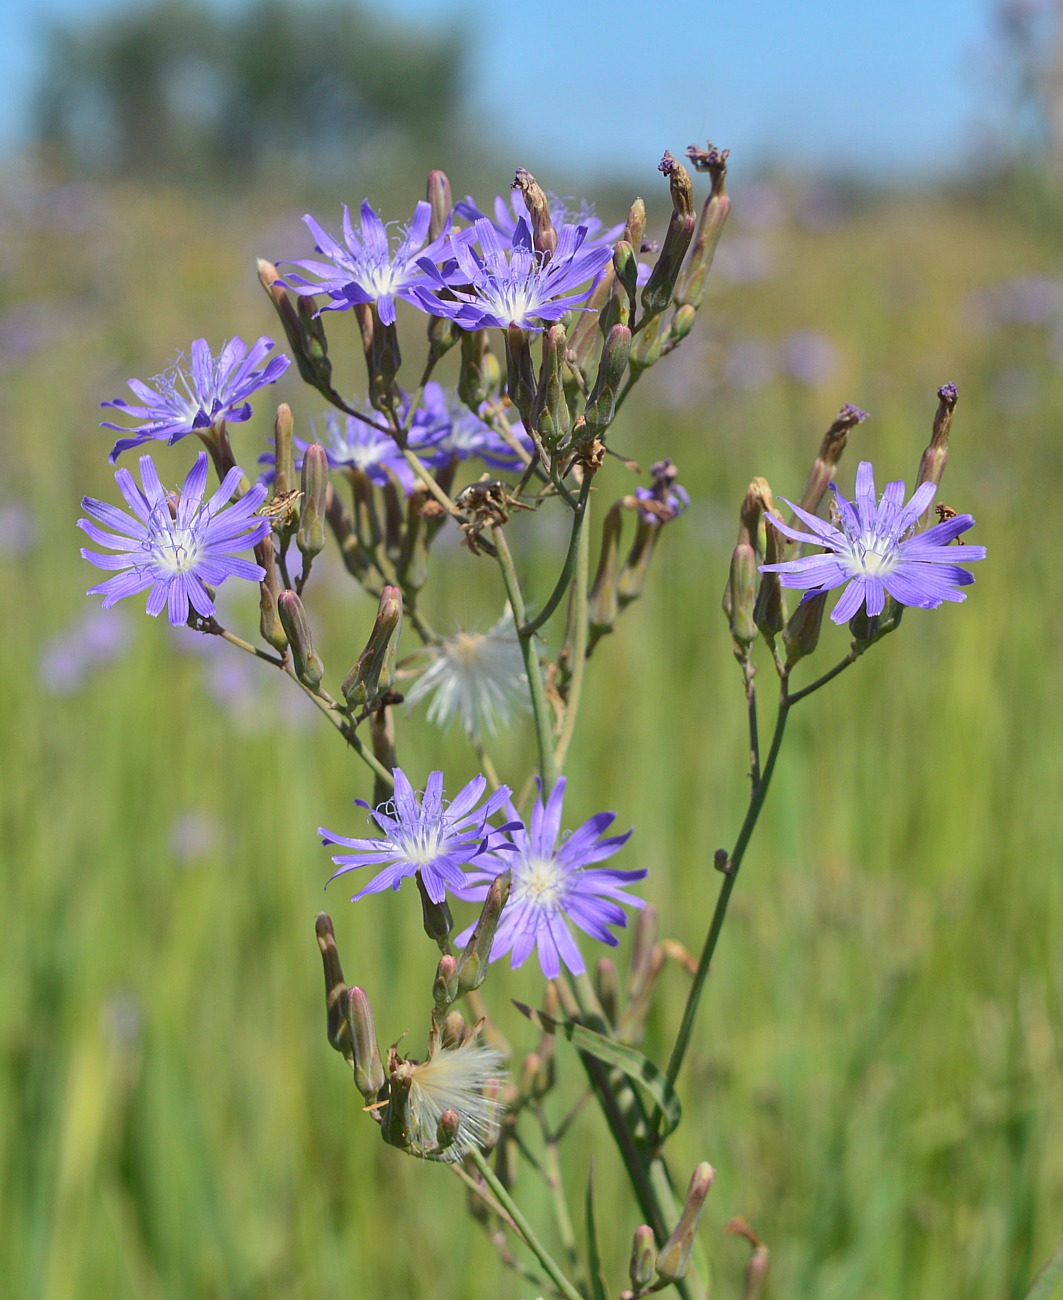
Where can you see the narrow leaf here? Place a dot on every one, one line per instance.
(627, 1060)
(1044, 1284)
(599, 1290)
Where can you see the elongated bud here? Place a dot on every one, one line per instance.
(635, 228)
(830, 451)
(602, 604)
(646, 351)
(552, 418)
(307, 342)
(742, 588)
(472, 966)
(445, 984)
(453, 1030)
(607, 986)
(585, 336)
(643, 943)
(356, 557)
(682, 324)
(311, 535)
(612, 371)
(520, 375)
(936, 456)
(335, 988)
(674, 1258)
(314, 342)
(308, 667)
(368, 1069)
(640, 1268)
(710, 227)
(657, 293)
(759, 1259)
(384, 361)
(440, 201)
(472, 384)
(284, 456)
(374, 671)
(436, 918)
(447, 1129)
(620, 309)
(395, 1125)
(269, 623)
(801, 635)
(769, 613)
(544, 236)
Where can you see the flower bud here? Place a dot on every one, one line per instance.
(292, 321)
(472, 966)
(612, 370)
(769, 613)
(830, 451)
(620, 309)
(936, 456)
(335, 988)
(520, 376)
(742, 588)
(308, 667)
(368, 1070)
(440, 201)
(674, 1258)
(445, 985)
(602, 604)
(472, 383)
(544, 236)
(710, 227)
(640, 1269)
(636, 225)
(551, 416)
(314, 343)
(646, 351)
(447, 1129)
(453, 1031)
(383, 361)
(801, 634)
(269, 624)
(374, 670)
(759, 1259)
(657, 292)
(311, 535)
(435, 917)
(284, 457)
(585, 336)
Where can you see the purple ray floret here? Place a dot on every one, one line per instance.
(511, 283)
(194, 394)
(174, 544)
(555, 884)
(509, 212)
(423, 835)
(364, 269)
(878, 552)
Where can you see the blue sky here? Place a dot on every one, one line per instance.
(866, 85)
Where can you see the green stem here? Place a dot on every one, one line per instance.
(578, 519)
(524, 1228)
(838, 668)
(577, 651)
(539, 704)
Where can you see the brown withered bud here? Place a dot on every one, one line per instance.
(826, 462)
(440, 201)
(657, 293)
(713, 216)
(544, 236)
(335, 988)
(936, 457)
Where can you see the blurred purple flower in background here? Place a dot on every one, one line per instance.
(192, 396)
(809, 357)
(19, 530)
(93, 641)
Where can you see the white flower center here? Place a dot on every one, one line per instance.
(176, 550)
(541, 882)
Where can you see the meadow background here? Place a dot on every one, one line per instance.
(877, 1071)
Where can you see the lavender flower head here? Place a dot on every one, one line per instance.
(509, 212)
(554, 884)
(193, 396)
(514, 285)
(450, 429)
(667, 499)
(430, 837)
(876, 550)
(174, 543)
(367, 270)
(351, 444)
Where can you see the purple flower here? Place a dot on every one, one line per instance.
(515, 285)
(367, 270)
(669, 498)
(877, 550)
(432, 837)
(174, 543)
(180, 403)
(450, 429)
(351, 444)
(554, 884)
(507, 214)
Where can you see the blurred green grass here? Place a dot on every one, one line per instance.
(877, 1068)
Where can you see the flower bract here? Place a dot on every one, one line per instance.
(194, 395)
(556, 882)
(174, 544)
(422, 834)
(876, 550)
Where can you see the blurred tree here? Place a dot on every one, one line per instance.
(177, 89)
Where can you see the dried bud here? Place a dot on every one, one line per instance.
(440, 201)
(713, 216)
(472, 967)
(311, 535)
(544, 236)
(657, 293)
(308, 667)
(368, 1070)
(602, 604)
(374, 671)
(830, 451)
(936, 456)
(643, 1258)
(674, 1258)
(335, 988)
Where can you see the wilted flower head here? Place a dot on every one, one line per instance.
(666, 499)
(194, 395)
(367, 270)
(554, 884)
(430, 837)
(876, 550)
(514, 285)
(477, 677)
(175, 543)
(464, 1079)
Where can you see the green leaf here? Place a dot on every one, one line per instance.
(599, 1290)
(627, 1060)
(1045, 1282)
